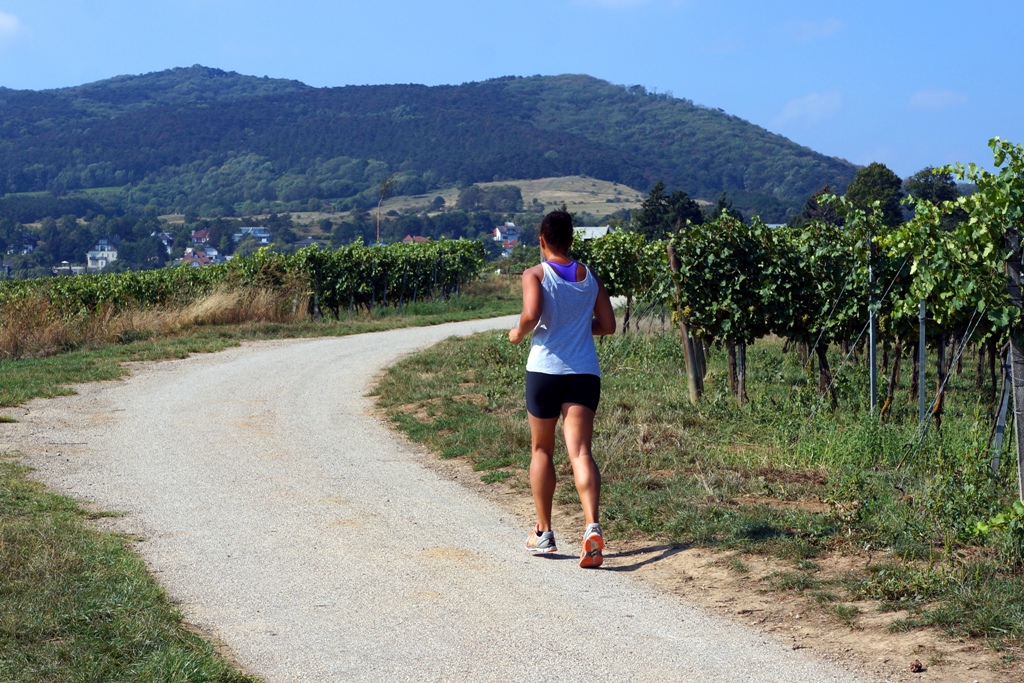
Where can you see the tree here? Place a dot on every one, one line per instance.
(492, 249)
(876, 183)
(663, 214)
(932, 184)
(140, 254)
(502, 198)
(471, 198)
(936, 186)
(652, 216)
(682, 209)
(723, 207)
(816, 210)
(247, 246)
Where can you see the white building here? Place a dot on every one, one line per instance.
(261, 235)
(103, 253)
(506, 233)
(592, 232)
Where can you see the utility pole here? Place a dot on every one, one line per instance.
(385, 186)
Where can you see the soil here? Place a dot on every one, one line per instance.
(703, 576)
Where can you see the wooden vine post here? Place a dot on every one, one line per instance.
(872, 330)
(694, 377)
(922, 357)
(1013, 267)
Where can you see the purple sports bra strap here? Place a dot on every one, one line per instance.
(566, 271)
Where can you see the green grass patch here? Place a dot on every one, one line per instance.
(77, 605)
(739, 566)
(844, 613)
(23, 380)
(784, 476)
(793, 581)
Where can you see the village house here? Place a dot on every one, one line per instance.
(260, 234)
(196, 258)
(165, 238)
(506, 233)
(103, 253)
(415, 239)
(592, 232)
(201, 236)
(25, 245)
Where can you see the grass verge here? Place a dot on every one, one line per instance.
(779, 477)
(77, 605)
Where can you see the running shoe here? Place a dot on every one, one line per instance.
(541, 542)
(593, 544)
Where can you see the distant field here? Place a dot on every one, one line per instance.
(42, 193)
(95, 191)
(421, 202)
(580, 194)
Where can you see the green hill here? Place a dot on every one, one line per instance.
(223, 143)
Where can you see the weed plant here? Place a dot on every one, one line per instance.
(785, 475)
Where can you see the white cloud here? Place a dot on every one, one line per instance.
(812, 108)
(936, 99)
(806, 31)
(9, 25)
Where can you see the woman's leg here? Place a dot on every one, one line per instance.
(578, 426)
(542, 468)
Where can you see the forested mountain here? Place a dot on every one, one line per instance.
(222, 143)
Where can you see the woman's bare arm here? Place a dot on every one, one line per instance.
(604, 316)
(533, 301)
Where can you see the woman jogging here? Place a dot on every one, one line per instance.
(564, 305)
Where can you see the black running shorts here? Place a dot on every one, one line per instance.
(545, 394)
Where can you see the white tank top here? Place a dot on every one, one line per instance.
(563, 341)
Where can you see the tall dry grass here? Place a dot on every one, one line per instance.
(32, 328)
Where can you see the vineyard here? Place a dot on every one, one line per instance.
(730, 283)
(851, 296)
(310, 283)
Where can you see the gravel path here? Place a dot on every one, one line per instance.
(292, 525)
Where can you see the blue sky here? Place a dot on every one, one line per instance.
(908, 84)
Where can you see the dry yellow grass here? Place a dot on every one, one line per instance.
(32, 329)
(579, 193)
